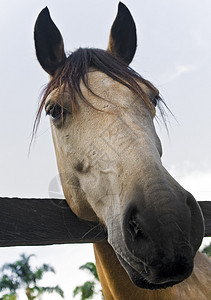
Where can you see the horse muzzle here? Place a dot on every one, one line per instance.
(162, 236)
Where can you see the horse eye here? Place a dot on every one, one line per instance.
(56, 112)
(155, 100)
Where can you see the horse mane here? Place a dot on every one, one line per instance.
(76, 68)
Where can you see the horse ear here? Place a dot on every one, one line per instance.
(48, 43)
(123, 40)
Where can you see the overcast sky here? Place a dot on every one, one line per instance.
(174, 52)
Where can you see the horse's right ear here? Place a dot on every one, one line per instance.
(48, 43)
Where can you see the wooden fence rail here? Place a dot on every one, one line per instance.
(33, 222)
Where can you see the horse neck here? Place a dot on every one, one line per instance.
(117, 285)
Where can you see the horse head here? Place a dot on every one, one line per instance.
(109, 155)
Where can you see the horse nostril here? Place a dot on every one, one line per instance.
(136, 238)
(135, 229)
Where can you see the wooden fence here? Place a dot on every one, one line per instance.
(30, 222)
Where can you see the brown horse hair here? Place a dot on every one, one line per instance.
(75, 70)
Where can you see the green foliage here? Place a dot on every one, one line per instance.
(9, 282)
(88, 289)
(207, 250)
(91, 268)
(20, 275)
(9, 297)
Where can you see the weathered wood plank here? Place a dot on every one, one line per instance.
(32, 222)
(206, 210)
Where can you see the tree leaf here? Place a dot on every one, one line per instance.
(91, 268)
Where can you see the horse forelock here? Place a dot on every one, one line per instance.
(76, 69)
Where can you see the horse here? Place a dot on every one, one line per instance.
(109, 159)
